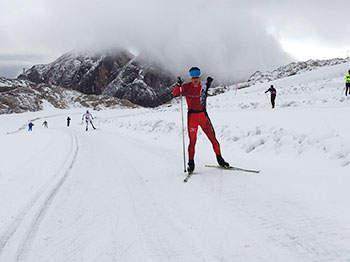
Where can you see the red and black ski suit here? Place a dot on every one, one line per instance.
(196, 97)
(272, 90)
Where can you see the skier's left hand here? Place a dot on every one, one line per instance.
(179, 81)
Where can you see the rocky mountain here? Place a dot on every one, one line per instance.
(143, 83)
(292, 69)
(17, 96)
(115, 73)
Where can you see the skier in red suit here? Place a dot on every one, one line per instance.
(196, 96)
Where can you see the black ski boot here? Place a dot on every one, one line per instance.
(190, 166)
(222, 162)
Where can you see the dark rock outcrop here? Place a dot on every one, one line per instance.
(83, 72)
(114, 73)
(143, 83)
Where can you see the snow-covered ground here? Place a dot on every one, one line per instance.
(117, 193)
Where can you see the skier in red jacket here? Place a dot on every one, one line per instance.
(196, 96)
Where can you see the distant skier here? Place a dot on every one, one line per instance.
(88, 118)
(45, 124)
(196, 95)
(30, 126)
(68, 121)
(347, 83)
(272, 90)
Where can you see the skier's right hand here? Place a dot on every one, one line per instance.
(179, 81)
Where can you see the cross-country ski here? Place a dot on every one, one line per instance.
(188, 177)
(234, 169)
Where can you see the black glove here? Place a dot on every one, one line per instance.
(209, 80)
(179, 81)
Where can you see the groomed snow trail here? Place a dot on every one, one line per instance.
(15, 241)
(117, 193)
(112, 195)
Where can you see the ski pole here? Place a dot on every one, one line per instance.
(183, 125)
(267, 98)
(342, 92)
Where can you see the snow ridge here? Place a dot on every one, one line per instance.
(293, 69)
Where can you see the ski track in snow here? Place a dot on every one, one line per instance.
(278, 232)
(12, 228)
(43, 206)
(32, 230)
(147, 210)
(164, 238)
(293, 229)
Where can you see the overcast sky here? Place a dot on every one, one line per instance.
(228, 39)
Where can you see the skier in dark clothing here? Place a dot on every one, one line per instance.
(30, 126)
(347, 83)
(272, 90)
(68, 121)
(196, 95)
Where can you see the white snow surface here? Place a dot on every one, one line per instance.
(117, 193)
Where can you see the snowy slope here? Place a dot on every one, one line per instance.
(117, 193)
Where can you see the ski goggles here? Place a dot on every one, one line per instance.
(195, 73)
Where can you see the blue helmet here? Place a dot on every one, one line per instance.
(195, 72)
